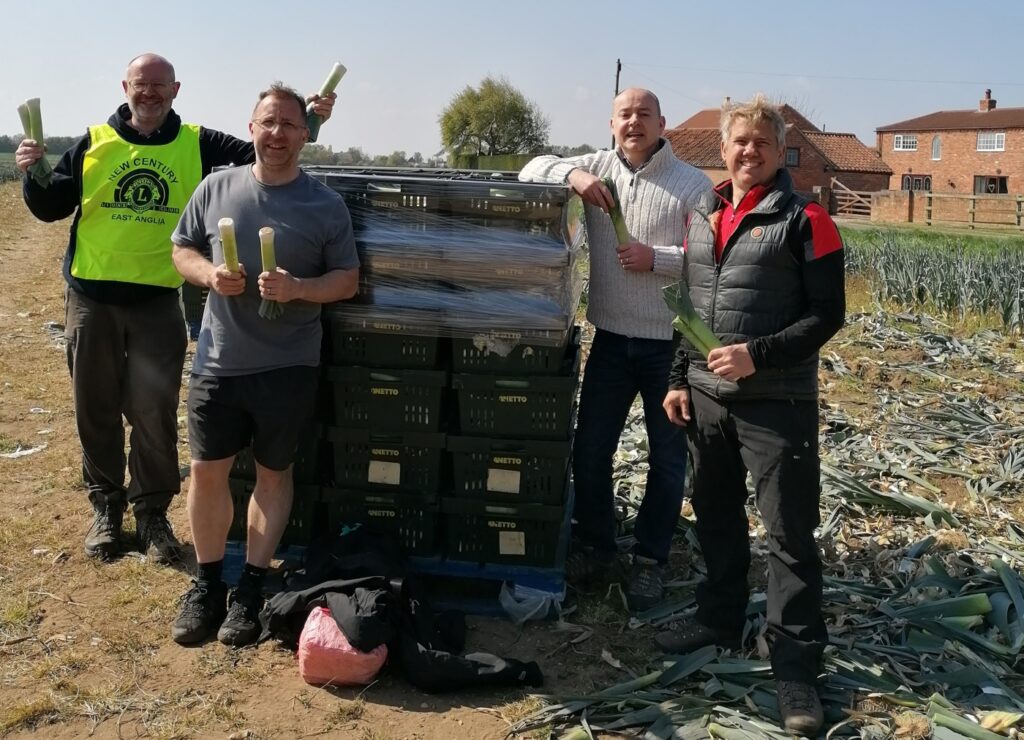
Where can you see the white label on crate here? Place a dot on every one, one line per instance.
(503, 481)
(512, 543)
(387, 473)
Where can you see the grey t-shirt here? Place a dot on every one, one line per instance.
(312, 236)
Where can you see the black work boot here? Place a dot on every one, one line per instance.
(800, 707)
(241, 626)
(103, 540)
(688, 635)
(201, 612)
(645, 587)
(156, 538)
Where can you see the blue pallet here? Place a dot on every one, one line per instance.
(547, 580)
(234, 561)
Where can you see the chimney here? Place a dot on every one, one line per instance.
(987, 103)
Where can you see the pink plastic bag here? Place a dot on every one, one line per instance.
(326, 657)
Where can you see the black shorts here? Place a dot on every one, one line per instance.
(269, 411)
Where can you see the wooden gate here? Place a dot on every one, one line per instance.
(850, 203)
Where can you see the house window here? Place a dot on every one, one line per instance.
(936, 148)
(985, 185)
(792, 156)
(989, 141)
(916, 182)
(904, 142)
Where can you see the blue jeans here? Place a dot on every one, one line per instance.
(618, 368)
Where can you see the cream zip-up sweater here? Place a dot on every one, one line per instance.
(656, 202)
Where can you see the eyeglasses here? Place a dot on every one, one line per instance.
(161, 88)
(269, 124)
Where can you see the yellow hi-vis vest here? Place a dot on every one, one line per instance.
(132, 197)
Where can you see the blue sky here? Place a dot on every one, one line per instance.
(849, 67)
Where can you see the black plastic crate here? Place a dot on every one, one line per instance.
(517, 534)
(524, 406)
(389, 399)
(519, 471)
(307, 467)
(301, 521)
(410, 519)
(483, 354)
(389, 345)
(387, 461)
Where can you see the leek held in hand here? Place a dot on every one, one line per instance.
(32, 123)
(269, 309)
(313, 121)
(621, 232)
(228, 243)
(688, 322)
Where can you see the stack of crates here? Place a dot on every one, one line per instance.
(510, 460)
(455, 371)
(386, 444)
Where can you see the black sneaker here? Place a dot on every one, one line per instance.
(689, 635)
(156, 538)
(587, 567)
(644, 586)
(103, 540)
(242, 624)
(800, 707)
(202, 610)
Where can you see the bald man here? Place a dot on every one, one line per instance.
(632, 350)
(126, 182)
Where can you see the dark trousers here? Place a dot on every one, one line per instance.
(126, 360)
(618, 368)
(777, 441)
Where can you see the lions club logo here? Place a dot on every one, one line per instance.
(141, 191)
(140, 194)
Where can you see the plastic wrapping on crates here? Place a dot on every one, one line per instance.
(416, 305)
(461, 254)
(522, 603)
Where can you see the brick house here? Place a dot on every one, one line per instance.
(813, 157)
(978, 151)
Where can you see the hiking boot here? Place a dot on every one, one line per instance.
(644, 587)
(689, 635)
(800, 707)
(103, 540)
(242, 624)
(156, 538)
(587, 567)
(202, 610)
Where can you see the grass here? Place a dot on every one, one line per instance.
(29, 714)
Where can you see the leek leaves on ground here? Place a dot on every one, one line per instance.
(32, 123)
(688, 322)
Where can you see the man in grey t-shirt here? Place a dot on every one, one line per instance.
(254, 379)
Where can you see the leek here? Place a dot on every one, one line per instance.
(269, 309)
(313, 121)
(228, 243)
(688, 322)
(32, 123)
(621, 232)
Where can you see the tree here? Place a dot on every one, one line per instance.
(492, 119)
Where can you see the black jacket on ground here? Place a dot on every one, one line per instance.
(377, 609)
